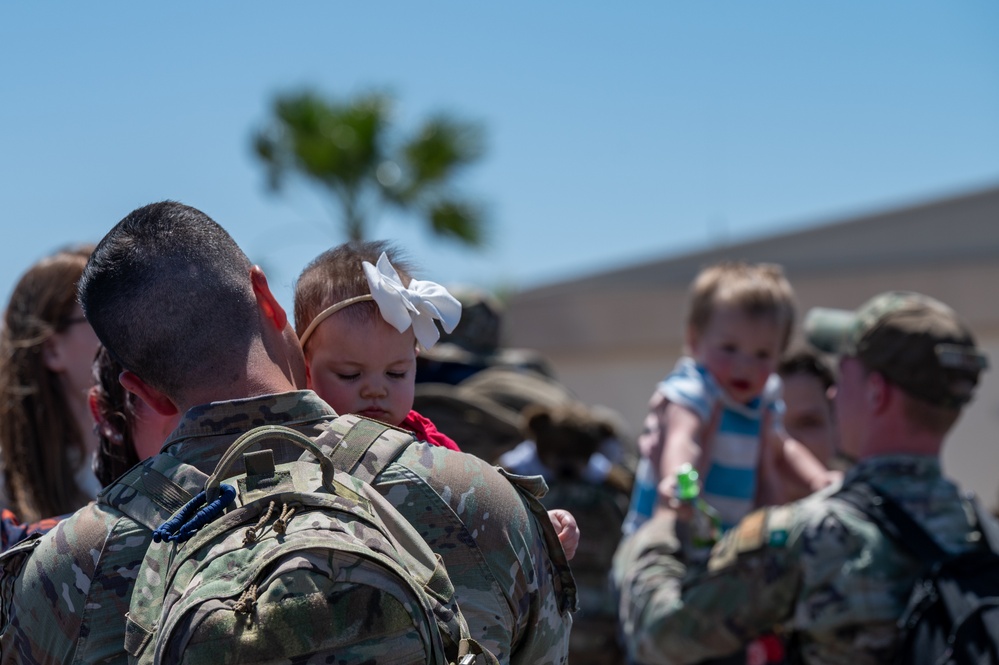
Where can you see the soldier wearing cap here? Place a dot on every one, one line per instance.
(819, 570)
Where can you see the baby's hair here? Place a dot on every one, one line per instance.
(758, 289)
(337, 275)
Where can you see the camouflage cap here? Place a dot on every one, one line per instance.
(916, 342)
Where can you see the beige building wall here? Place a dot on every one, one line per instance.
(612, 337)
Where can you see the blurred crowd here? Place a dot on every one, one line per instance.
(741, 423)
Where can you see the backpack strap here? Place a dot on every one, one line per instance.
(531, 489)
(470, 652)
(366, 446)
(12, 563)
(939, 581)
(894, 521)
(145, 495)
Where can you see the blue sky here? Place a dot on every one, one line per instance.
(616, 132)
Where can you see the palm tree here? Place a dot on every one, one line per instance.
(347, 148)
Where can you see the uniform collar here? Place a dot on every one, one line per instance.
(234, 417)
(894, 466)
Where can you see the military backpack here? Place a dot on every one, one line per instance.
(288, 563)
(952, 614)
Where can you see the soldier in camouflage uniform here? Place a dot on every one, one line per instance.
(513, 594)
(820, 569)
(205, 337)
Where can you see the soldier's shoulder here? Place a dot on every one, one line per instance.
(51, 579)
(76, 549)
(78, 536)
(452, 469)
(798, 528)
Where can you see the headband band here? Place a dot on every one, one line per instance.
(332, 309)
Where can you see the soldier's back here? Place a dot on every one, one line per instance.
(510, 575)
(856, 580)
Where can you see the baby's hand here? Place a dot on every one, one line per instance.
(683, 510)
(831, 477)
(567, 529)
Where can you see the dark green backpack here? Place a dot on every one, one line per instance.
(952, 616)
(292, 563)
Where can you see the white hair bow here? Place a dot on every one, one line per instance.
(417, 306)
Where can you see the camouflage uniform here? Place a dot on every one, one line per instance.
(510, 575)
(69, 604)
(818, 568)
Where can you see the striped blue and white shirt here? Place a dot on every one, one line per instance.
(730, 483)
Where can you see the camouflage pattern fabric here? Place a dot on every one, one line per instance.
(510, 575)
(68, 605)
(303, 565)
(819, 570)
(69, 602)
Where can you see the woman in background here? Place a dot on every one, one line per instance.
(47, 348)
(128, 432)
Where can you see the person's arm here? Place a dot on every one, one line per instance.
(653, 436)
(683, 444)
(787, 469)
(799, 463)
(773, 488)
(751, 587)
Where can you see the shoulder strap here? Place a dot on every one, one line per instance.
(145, 495)
(11, 565)
(367, 446)
(893, 521)
(530, 489)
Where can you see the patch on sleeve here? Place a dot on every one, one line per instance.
(748, 535)
(766, 527)
(778, 526)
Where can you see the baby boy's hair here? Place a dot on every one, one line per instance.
(336, 275)
(758, 289)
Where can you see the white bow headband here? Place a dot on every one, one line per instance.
(401, 307)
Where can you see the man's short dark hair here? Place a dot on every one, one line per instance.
(168, 293)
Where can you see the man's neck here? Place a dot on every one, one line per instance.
(255, 384)
(900, 438)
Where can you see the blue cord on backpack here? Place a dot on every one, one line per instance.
(182, 526)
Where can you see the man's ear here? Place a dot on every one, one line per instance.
(159, 402)
(268, 303)
(878, 391)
